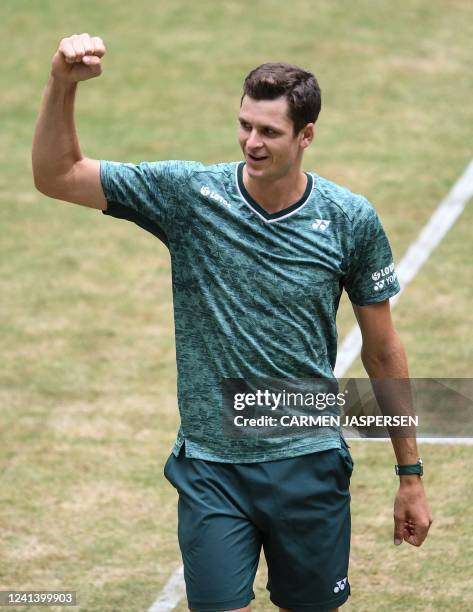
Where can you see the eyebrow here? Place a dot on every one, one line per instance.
(264, 127)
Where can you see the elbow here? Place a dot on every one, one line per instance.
(388, 359)
(52, 182)
(373, 362)
(39, 180)
(44, 185)
(46, 190)
(39, 185)
(50, 190)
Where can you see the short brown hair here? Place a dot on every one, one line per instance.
(300, 88)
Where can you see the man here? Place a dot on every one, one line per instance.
(260, 253)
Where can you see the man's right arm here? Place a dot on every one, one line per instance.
(60, 170)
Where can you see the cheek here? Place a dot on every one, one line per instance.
(285, 153)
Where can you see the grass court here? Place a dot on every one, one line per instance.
(87, 385)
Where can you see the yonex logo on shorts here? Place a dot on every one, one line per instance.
(379, 285)
(320, 224)
(205, 191)
(340, 586)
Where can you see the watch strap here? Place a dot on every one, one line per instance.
(410, 469)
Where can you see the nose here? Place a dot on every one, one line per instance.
(254, 141)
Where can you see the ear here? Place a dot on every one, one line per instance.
(307, 135)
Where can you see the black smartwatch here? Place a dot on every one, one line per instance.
(411, 469)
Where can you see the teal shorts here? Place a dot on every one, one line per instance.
(297, 509)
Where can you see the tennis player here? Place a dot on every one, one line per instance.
(261, 252)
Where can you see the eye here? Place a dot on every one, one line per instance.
(244, 125)
(270, 132)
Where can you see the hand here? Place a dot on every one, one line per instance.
(412, 518)
(78, 58)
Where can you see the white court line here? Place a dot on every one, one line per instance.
(441, 221)
(172, 593)
(432, 233)
(464, 441)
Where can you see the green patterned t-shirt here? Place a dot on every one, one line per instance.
(255, 294)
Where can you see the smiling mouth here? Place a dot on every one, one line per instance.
(257, 159)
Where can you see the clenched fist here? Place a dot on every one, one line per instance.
(78, 58)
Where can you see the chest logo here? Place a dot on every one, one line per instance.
(320, 224)
(208, 193)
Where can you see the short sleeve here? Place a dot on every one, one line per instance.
(371, 274)
(147, 194)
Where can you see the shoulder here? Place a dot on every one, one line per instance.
(197, 167)
(170, 171)
(178, 165)
(352, 205)
(195, 170)
(220, 169)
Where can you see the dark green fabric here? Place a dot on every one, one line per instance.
(297, 509)
(255, 295)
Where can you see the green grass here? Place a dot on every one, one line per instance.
(87, 384)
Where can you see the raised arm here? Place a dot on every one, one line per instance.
(60, 170)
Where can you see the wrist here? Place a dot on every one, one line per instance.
(410, 480)
(61, 83)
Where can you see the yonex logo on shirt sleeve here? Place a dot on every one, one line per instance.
(383, 272)
(384, 276)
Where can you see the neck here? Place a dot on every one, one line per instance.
(276, 194)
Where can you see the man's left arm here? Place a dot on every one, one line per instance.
(384, 357)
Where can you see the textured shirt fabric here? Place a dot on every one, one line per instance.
(255, 294)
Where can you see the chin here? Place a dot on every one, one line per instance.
(256, 173)
(253, 171)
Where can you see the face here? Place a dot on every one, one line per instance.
(266, 137)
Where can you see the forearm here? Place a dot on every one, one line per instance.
(385, 361)
(389, 372)
(55, 144)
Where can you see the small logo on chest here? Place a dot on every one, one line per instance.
(320, 224)
(208, 193)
